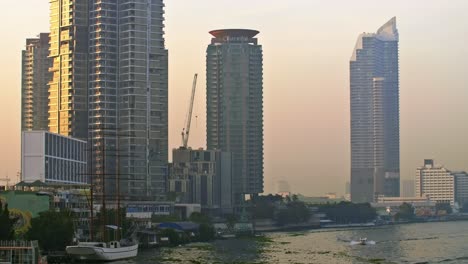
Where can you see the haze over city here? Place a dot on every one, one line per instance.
(306, 47)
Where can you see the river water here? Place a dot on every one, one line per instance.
(410, 243)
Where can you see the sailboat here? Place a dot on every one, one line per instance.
(105, 251)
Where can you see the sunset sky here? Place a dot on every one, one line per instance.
(307, 45)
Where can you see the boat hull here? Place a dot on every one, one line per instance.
(83, 252)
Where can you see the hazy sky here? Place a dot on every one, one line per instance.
(307, 45)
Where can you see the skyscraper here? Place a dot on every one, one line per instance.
(375, 139)
(68, 114)
(128, 96)
(34, 83)
(234, 71)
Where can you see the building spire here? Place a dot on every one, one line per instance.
(388, 31)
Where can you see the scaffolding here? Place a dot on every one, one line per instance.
(19, 252)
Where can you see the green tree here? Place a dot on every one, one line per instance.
(347, 212)
(7, 231)
(406, 212)
(199, 218)
(53, 230)
(444, 207)
(206, 232)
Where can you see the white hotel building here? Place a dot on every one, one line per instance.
(436, 182)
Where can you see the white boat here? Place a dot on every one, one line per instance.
(363, 241)
(102, 251)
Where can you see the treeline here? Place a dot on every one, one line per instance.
(347, 212)
(283, 211)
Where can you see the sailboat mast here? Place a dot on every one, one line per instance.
(117, 163)
(103, 189)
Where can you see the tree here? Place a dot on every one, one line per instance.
(206, 232)
(53, 230)
(406, 211)
(231, 221)
(444, 207)
(199, 218)
(7, 231)
(347, 212)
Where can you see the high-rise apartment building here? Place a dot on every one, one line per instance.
(234, 71)
(375, 139)
(68, 114)
(128, 97)
(34, 83)
(110, 87)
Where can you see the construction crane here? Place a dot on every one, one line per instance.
(188, 120)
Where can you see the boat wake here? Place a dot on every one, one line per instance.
(359, 242)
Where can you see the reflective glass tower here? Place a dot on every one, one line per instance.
(234, 71)
(34, 83)
(375, 138)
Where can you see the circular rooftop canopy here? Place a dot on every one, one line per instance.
(221, 33)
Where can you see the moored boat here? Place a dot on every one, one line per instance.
(101, 251)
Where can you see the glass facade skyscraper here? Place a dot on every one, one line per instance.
(234, 98)
(375, 138)
(34, 83)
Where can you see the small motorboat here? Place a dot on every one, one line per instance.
(363, 241)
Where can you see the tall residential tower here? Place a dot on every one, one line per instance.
(34, 83)
(375, 126)
(128, 97)
(234, 71)
(68, 114)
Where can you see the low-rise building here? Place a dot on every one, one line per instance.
(53, 158)
(202, 177)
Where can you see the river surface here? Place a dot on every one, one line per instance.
(410, 243)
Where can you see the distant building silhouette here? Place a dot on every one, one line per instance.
(34, 83)
(375, 140)
(234, 69)
(407, 188)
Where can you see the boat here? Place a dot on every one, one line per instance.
(104, 249)
(101, 251)
(363, 241)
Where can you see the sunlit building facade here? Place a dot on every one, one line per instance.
(234, 101)
(375, 139)
(68, 51)
(34, 83)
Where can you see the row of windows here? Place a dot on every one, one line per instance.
(65, 148)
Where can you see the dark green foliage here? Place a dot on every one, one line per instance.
(347, 212)
(53, 230)
(199, 218)
(406, 212)
(264, 207)
(7, 231)
(444, 207)
(206, 232)
(231, 221)
(295, 212)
